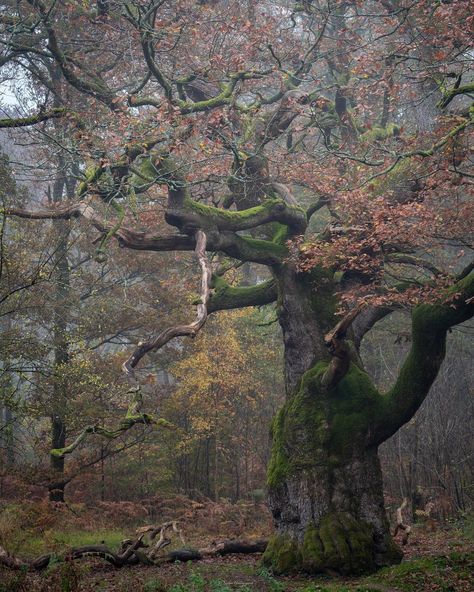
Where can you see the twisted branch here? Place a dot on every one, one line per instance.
(179, 330)
(132, 417)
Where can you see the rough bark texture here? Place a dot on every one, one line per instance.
(306, 312)
(324, 479)
(325, 482)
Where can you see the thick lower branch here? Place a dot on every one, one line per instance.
(272, 210)
(246, 248)
(430, 324)
(126, 237)
(226, 297)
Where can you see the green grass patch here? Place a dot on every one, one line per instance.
(467, 528)
(32, 544)
(449, 572)
(437, 573)
(78, 538)
(454, 571)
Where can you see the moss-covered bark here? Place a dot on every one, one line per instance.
(324, 477)
(340, 543)
(33, 119)
(226, 297)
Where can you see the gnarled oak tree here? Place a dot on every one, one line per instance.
(324, 141)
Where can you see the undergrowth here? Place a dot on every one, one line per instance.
(450, 573)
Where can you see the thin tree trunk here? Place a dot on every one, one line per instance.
(60, 337)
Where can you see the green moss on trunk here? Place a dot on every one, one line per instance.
(319, 426)
(324, 479)
(340, 543)
(283, 555)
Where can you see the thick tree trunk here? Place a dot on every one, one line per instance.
(324, 479)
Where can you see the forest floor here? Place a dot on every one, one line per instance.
(439, 561)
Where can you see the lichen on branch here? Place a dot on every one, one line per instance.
(132, 417)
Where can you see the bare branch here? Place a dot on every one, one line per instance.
(401, 525)
(283, 191)
(126, 237)
(180, 330)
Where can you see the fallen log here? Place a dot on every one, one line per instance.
(216, 550)
(137, 551)
(127, 557)
(236, 546)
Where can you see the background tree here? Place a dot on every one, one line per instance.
(221, 407)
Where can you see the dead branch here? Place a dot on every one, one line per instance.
(126, 237)
(401, 525)
(425, 515)
(180, 330)
(133, 552)
(163, 540)
(282, 191)
(339, 350)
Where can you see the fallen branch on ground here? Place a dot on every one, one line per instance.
(133, 552)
